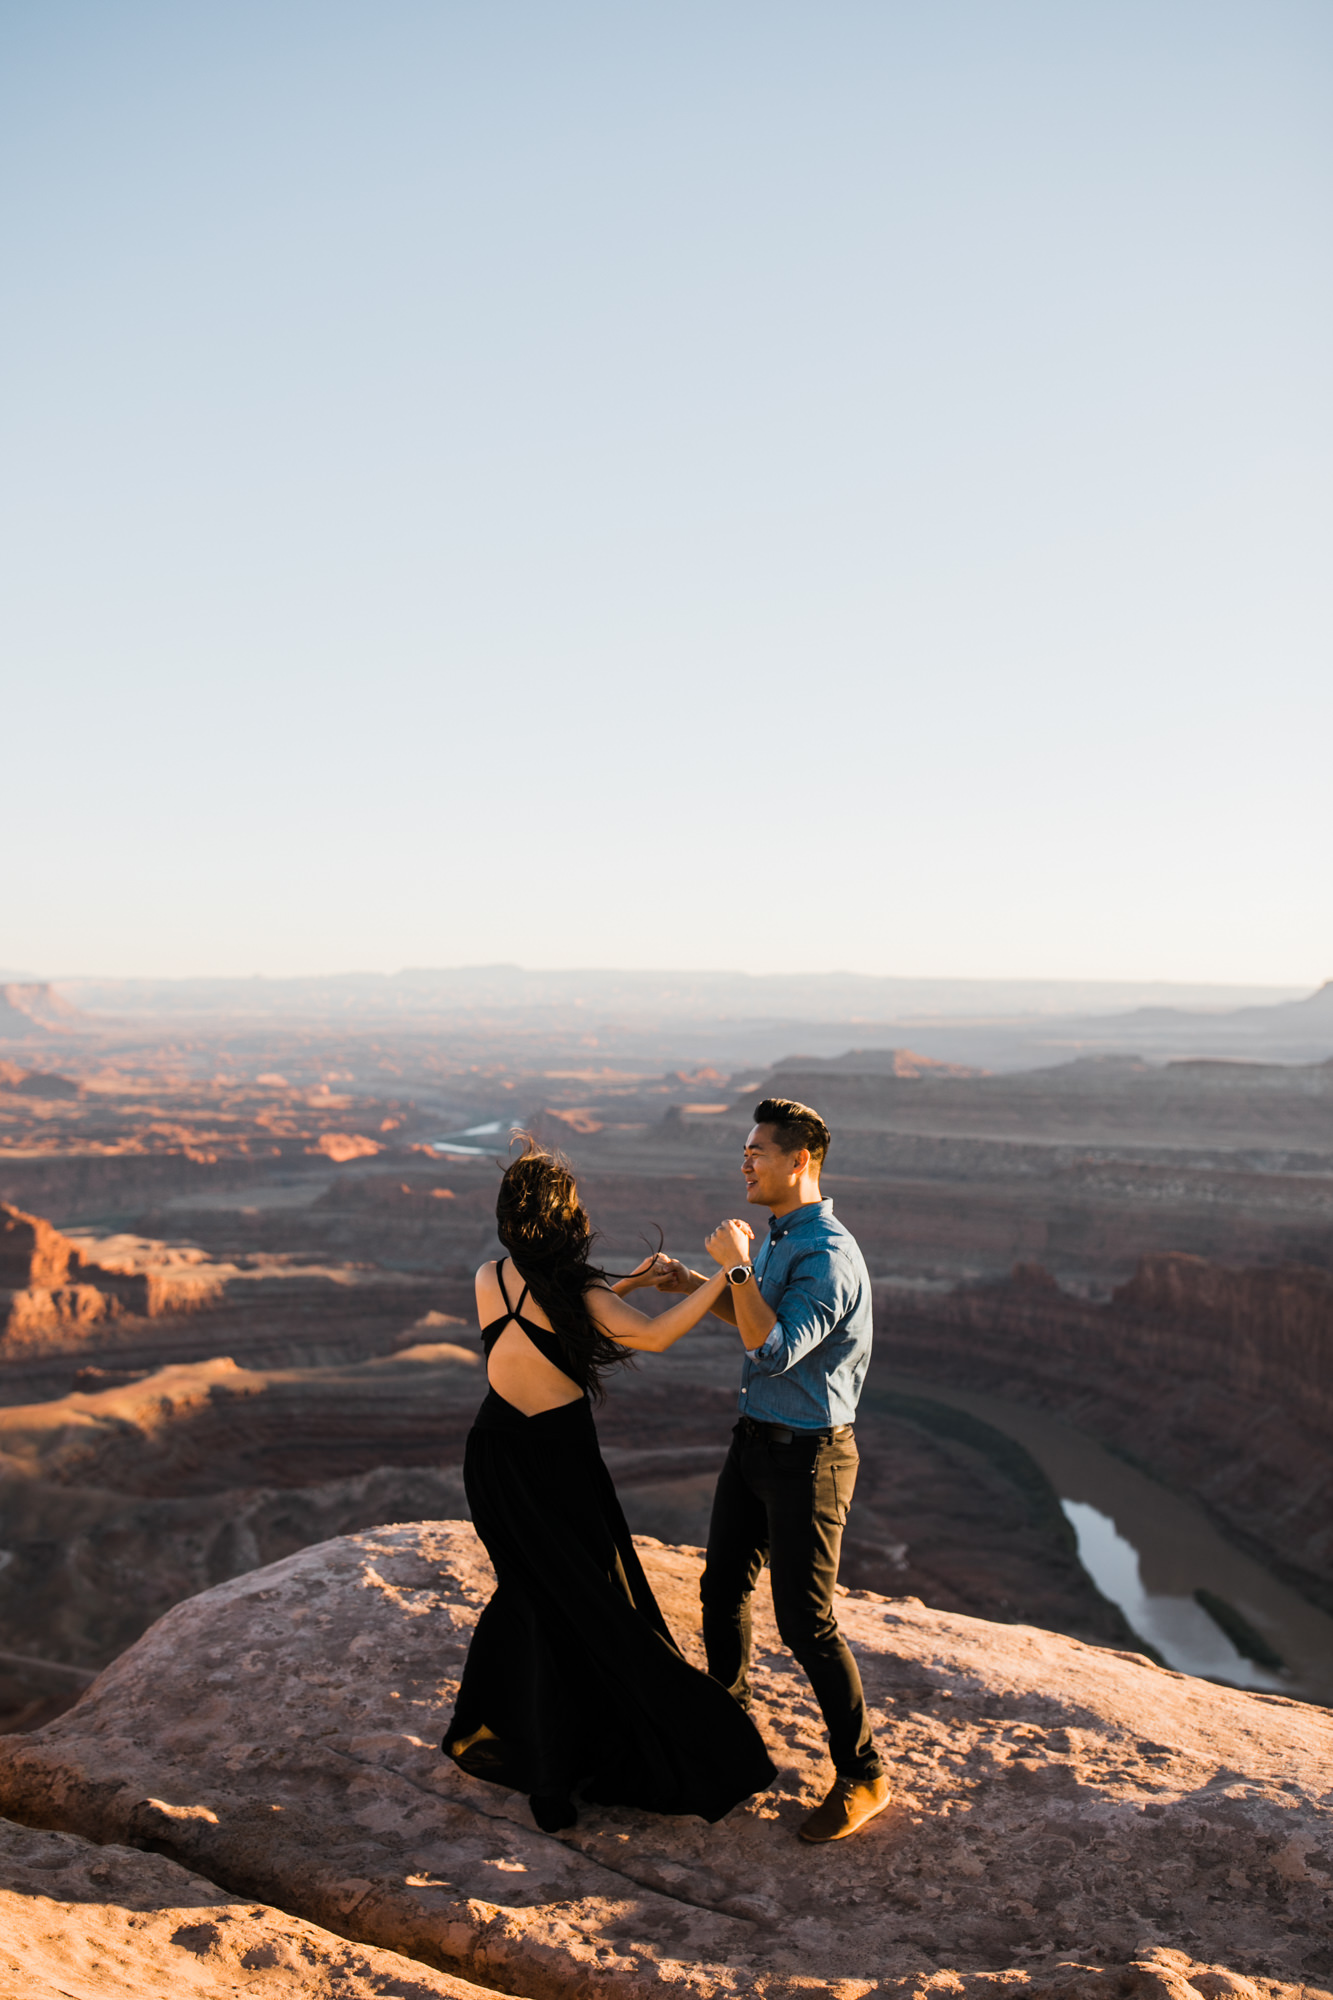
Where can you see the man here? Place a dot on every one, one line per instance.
(802, 1308)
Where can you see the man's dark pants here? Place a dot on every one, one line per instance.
(784, 1495)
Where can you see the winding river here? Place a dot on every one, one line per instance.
(496, 1131)
(1149, 1550)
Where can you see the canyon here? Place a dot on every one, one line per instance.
(1218, 1380)
(236, 1324)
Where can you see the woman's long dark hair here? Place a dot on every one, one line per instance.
(545, 1228)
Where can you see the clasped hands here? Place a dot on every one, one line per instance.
(730, 1243)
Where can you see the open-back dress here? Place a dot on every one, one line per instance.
(573, 1679)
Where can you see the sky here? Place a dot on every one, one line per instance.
(744, 484)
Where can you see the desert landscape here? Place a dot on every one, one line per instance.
(569, 569)
(236, 1337)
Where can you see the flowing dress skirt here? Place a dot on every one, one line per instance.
(572, 1678)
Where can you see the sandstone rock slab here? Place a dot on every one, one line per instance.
(1066, 1820)
(112, 1923)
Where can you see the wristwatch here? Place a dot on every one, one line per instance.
(740, 1274)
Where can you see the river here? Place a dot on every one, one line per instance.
(497, 1130)
(1149, 1550)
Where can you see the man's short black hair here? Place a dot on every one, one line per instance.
(794, 1126)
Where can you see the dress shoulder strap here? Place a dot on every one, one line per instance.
(513, 1311)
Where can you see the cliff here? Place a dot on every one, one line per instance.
(52, 1287)
(1265, 1333)
(1067, 1821)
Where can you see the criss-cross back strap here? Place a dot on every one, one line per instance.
(546, 1342)
(513, 1311)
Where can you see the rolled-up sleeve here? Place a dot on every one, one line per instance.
(813, 1300)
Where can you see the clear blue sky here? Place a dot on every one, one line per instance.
(733, 484)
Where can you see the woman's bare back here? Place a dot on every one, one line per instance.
(515, 1369)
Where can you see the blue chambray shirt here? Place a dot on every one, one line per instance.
(808, 1373)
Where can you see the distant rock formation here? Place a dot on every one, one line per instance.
(874, 1062)
(580, 1119)
(1068, 1822)
(135, 1302)
(34, 1009)
(52, 1288)
(32, 1251)
(343, 1146)
(38, 1083)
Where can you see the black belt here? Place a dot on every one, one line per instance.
(782, 1434)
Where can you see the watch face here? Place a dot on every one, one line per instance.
(739, 1274)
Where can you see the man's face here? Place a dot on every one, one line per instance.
(770, 1174)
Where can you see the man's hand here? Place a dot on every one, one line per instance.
(730, 1243)
(754, 1319)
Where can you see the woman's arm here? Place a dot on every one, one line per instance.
(652, 1336)
(682, 1279)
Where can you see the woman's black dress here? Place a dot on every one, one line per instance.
(573, 1679)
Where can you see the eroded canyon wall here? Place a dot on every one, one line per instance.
(1218, 1382)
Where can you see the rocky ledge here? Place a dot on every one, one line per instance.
(112, 1923)
(1067, 1820)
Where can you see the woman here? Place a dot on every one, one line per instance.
(573, 1679)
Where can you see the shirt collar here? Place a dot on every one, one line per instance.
(778, 1225)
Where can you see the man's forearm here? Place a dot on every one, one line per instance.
(755, 1318)
(745, 1308)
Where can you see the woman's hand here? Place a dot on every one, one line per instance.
(673, 1276)
(655, 1270)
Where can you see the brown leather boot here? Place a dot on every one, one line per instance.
(847, 1808)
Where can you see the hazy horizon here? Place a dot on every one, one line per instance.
(672, 986)
(668, 487)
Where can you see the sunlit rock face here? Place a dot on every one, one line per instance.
(112, 1923)
(54, 1289)
(1066, 1819)
(82, 1311)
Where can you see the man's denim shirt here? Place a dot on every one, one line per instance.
(808, 1373)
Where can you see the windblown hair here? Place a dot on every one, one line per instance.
(545, 1228)
(794, 1126)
